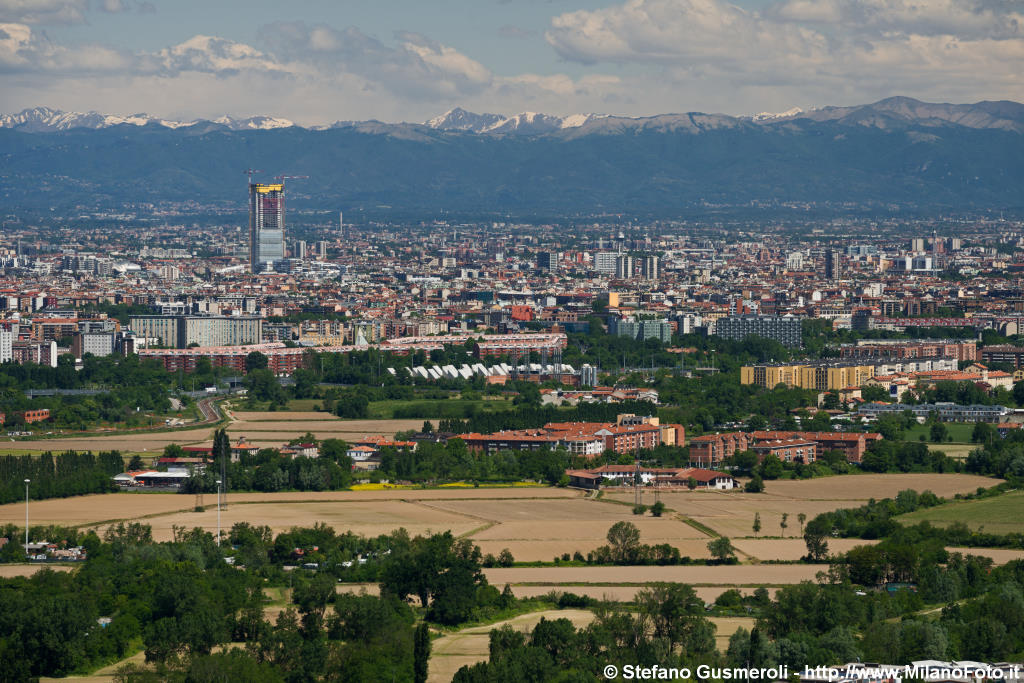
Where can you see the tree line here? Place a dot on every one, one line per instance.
(58, 476)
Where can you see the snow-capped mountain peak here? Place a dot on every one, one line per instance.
(45, 119)
(522, 123)
(460, 119)
(254, 123)
(770, 116)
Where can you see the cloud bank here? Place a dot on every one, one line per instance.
(638, 57)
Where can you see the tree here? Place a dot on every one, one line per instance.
(744, 461)
(305, 383)
(815, 537)
(783, 523)
(771, 467)
(757, 523)
(938, 432)
(691, 483)
(802, 517)
(658, 508)
(721, 549)
(676, 615)
(421, 653)
(624, 539)
(263, 385)
(983, 432)
(428, 427)
(256, 361)
(756, 423)
(135, 463)
(755, 485)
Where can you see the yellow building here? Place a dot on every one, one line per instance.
(820, 377)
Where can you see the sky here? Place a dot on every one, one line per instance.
(321, 61)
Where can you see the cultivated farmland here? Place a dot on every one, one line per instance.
(1001, 515)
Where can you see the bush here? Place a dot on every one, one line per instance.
(657, 509)
(730, 598)
(639, 509)
(572, 600)
(755, 485)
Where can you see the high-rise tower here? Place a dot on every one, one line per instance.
(266, 225)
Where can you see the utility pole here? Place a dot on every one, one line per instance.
(26, 515)
(636, 483)
(218, 513)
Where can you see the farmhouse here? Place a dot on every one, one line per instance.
(656, 476)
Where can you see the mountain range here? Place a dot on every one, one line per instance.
(896, 153)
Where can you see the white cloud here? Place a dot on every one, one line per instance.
(43, 11)
(52, 12)
(665, 55)
(928, 47)
(318, 74)
(22, 49)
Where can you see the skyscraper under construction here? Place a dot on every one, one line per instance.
(266, 225)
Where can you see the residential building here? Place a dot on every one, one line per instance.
(182, 331)
(786, 450)
(785, 330)
(641, 329)
(947, 412)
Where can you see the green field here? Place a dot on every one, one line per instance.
(960, 431)
(1001, 515)
(434, 408)
(426, 408)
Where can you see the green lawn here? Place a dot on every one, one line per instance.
(434, 408)
(960, 431)
(1002, 514)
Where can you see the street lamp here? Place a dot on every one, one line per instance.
(218, 512)
(26, 515)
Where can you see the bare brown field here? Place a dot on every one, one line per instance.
(10, 571)
(960, 451)
(541, 532)
(729, 575)
(621, 593)
(335, 426)
(508, 511)
(450, 653)
(998, 555)
(95, 508)
(81, 510)
(357, 588)
(731, 513)
(133, 443)
(282, 416)
(790, 548)
(365, 518)
(864, 486)
(532, 551)
(266, 428)
(726, 626)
